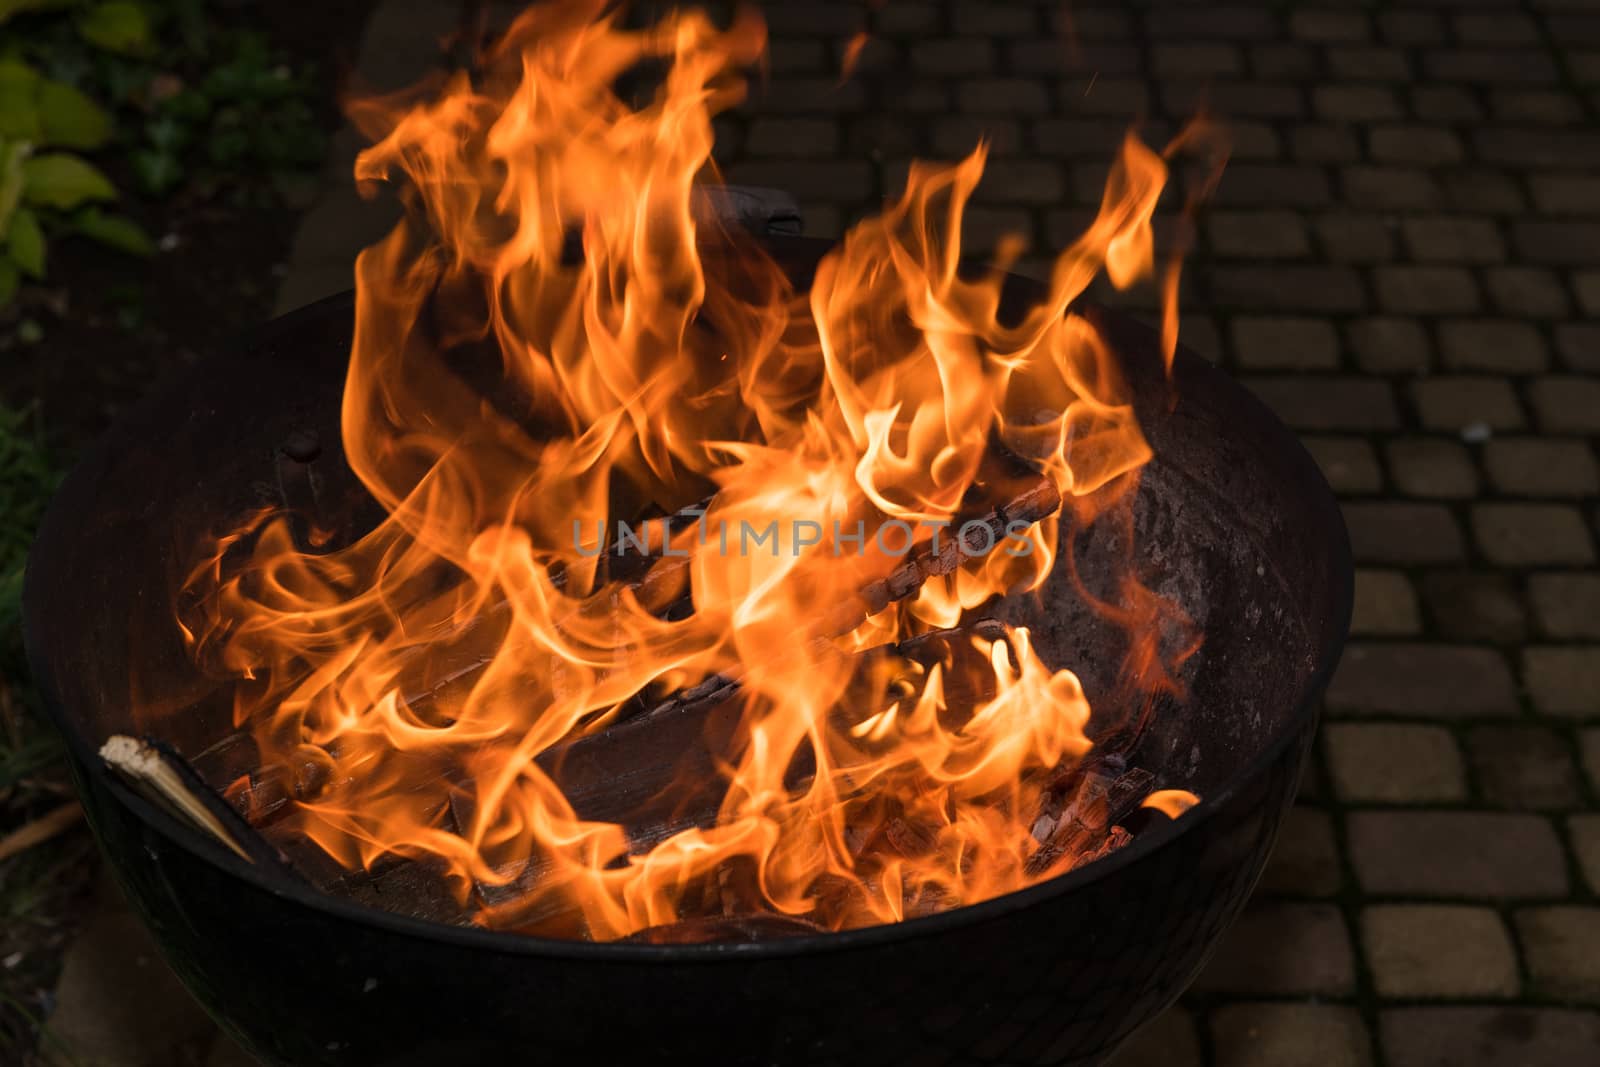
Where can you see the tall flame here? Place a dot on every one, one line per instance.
(511, 395)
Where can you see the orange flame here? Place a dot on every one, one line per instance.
(1171, 802)
(852, 54)
(422, 683)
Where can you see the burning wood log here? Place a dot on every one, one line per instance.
(262, 793)
(1015, 492)
(625, 773)
(1006, 490)
(658, 773)
(1010, 492)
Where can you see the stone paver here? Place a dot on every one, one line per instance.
(1396, 532)
(1532, 535)
(1524, 767)
(1463, 404)
(1564, 680)
(1283, 947)
(1448, 681)
(1290, 1035)
(1394, 763)
(1306, 859)
(117, 1002)
(1303, 343)
(1585, 833)
(1350, 465)
(1567, 404)
(1427, 467)
(1384, 345)
(1562, 945)
(1385, 603)
(1482, 855)
(1566, 604)
(1169, 1040)
(1474, 606)
(1439, 951)
(1589, 746)
(1489, 1037)
(1542, 467)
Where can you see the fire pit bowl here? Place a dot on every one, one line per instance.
(1233, 521)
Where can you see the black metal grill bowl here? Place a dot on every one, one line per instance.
(1252, 546)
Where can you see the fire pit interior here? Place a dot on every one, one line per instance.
(441, 615)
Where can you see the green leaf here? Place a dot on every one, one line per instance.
(59, 180)
(166, 134)
(11, 159)
(158, 171)
(25, 243)
(228, 145)
(68, 117)
(118, 26)
(187, 107)
(115, 231)
(19, 112)
(8, 281)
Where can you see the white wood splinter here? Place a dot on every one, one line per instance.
(145, 768)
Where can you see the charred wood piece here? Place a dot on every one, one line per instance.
(1083, 828)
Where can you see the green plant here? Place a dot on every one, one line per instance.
(27, 478)
(246, 114)
(27, 750)
(41, 888)
(214, 108)
(45, 190)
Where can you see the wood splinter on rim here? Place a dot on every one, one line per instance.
(162, 776)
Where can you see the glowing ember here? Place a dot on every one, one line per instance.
(419, 687)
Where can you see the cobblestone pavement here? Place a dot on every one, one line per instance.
(1403, 259)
